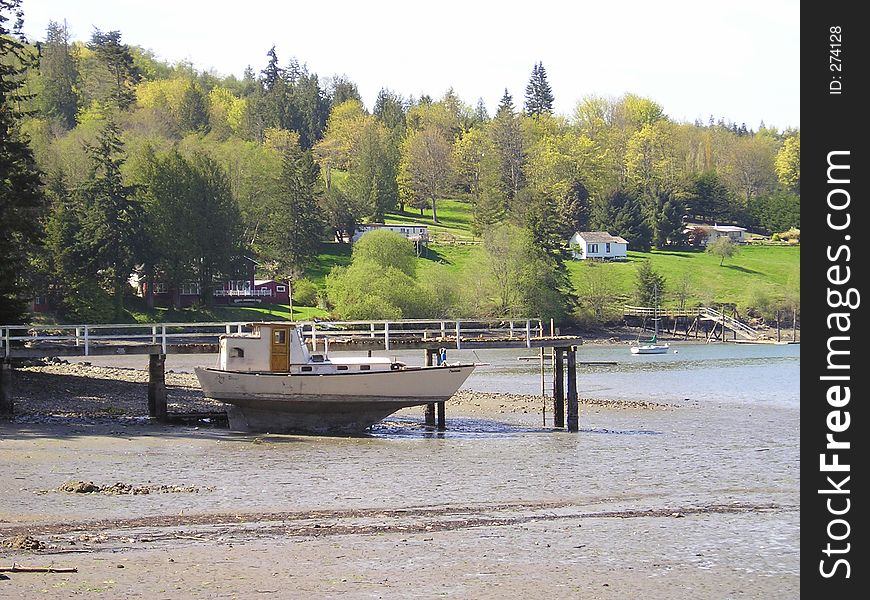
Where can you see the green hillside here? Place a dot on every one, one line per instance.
(757, 271)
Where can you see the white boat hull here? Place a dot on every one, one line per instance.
(652, 349)
(326, 403)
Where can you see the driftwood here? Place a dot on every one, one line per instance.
(17, 569)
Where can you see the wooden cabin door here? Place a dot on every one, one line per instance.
(280, 349)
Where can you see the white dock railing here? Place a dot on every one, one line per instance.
(451, 332)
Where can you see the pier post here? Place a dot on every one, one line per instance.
(6, 402)
(442, 422)
(573, 408)
(429, 415)
(157, 386)
(558, 388)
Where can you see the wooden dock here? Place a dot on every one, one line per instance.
(157, 340)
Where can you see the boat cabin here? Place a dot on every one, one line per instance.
(279, 348)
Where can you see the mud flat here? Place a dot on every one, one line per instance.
(658, 500)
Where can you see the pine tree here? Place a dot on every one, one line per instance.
(618, 211)
(505, 105)
(297, 227)
(539, 95)
(272, 73)
(193, 112)
(21, 196)
(508, 140)
(58, 69)
(650, 286)
(481, 115)
(390, 110)
(112, 223)
(118, 60)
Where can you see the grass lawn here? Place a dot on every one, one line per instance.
(454, 220)
(332, 254)
(263, 312)
(770, 270)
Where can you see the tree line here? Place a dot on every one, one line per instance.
(133, 164)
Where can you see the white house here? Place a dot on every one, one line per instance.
(419, 234)
(597, 245)
(714, 232)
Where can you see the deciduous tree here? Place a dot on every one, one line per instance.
(427, 166)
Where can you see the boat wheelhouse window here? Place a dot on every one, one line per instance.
(280, 336)
(317, 358)
(305, 369)
(236, 352)
(365, 367)
(342, 367)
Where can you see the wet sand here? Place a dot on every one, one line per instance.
(649, 500)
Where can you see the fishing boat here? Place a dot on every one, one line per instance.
(651, 345)
(271, 382)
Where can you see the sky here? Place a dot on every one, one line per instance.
(738, 60)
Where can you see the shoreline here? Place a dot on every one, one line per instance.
(60, 390)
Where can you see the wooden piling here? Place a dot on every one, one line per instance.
(442, 422)
(157, 386)
(558, 388)
(573, 408)
(6, 401)
(429, 414)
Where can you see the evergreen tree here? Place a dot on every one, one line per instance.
(21, 195)
(373, 170)
(618, 212)
(539, 96)
(308, 108)
(481, 115)
(390, 110)
(193, 112)
(710, 199)
(342, 90)
(650, 285)
(508, 140)
(297, 228)
(58, 69)
(63, 262)
(573, 210)
(111, 231)
(216, 224)
(168, 209)
(118, 60)
(670, 225)
(272, 74)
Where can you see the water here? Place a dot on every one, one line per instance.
(731, 439)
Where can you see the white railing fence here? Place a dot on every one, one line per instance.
(389, 333)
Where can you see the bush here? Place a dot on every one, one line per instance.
(305, 293)
(88, 303)
(792, 236)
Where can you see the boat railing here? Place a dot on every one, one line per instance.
(452, 332)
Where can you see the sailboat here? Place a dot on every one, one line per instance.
(651, 345)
